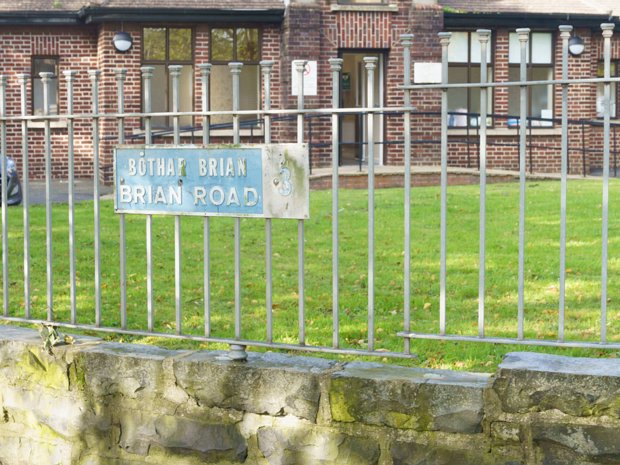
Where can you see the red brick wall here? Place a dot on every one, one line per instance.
(315, 33)
(311, 32)
(76, 48)
(544, 148)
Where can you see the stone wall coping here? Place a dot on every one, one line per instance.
(560, 364)
(380, 372)
(265, 360)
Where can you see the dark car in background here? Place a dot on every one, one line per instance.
(14, 185)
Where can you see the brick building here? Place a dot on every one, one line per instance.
(60, 35)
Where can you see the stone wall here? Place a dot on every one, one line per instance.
(104, 403)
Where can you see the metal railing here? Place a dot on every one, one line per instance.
(523, 84)
(20, 310)
(16, 311)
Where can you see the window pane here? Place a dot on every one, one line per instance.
(221, 44)
(154, 43)
(542, 97)
(180, 44)
(475, 48)
(600, 71)
(185, 93)
(38, 97)
(222, 99)
(44, 65)
(367, 2)
(514, 100)
(474, 97)
(542, 47)
(600, 99)
(247, 45)
(159, 95)
(457, 98)
(600, 89)
(248, 95)
(457, 50)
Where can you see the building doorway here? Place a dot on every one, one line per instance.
(354, 94)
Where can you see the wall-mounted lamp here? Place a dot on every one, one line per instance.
(576, 46)
(122, 41)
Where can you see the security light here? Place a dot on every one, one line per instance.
(576, 46)
(122, 41)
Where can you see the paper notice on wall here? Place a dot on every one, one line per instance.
(310, 78)
(427, 73)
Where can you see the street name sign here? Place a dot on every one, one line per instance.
(263, 180)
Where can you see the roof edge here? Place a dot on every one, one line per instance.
(532, 20)
(182, 15)
(43, 18)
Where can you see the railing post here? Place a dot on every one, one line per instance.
(300, 66)
(237, 351)
(583, 147)
(205, 72)
(4, 192)
(120, 108)
(371, 65)
(175, 72)
(94, 77)
(484, 36)
(147, 75)
(266, 68)
(407, 42)
(45, 81)
(615, 151)
(444, 39)
(524, 34)
(336, 67)
(608, 30)
(69, 78)
(23, 82)
(565, 32)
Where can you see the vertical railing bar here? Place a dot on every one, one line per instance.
(120, 82)
(235, 69)
(371, 64)
(583, 147)
(205, 69)
(336, 67)
(607, 33)
(23, 81)
(523, 34)
(45, 81)
(565, 32)
(147, 74)
(4, 190)
(69, 76)
(266, 67)
(175, 72)
(407, 41)
(444, 39)
(531, 147)
(299, 68)
(94, 77)
(615, 152)
(483, 36)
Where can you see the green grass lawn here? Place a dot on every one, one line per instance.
(542, 271)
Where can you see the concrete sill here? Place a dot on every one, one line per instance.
(56, 124)
(212, 133)
(366, 8)
(507, 132)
